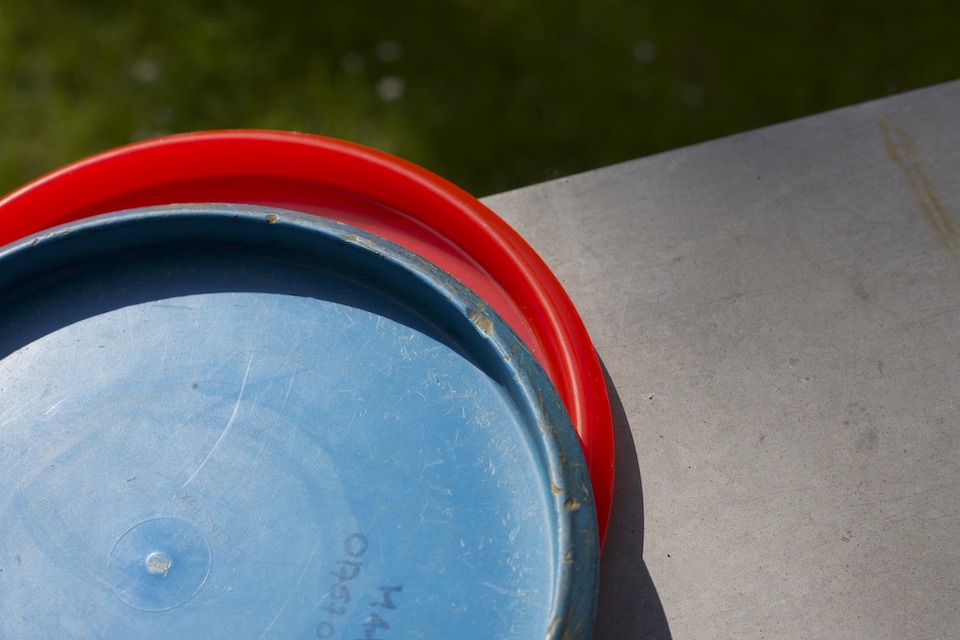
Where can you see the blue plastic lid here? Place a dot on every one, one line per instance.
(225, 421)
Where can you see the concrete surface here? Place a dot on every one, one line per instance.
(779, 314)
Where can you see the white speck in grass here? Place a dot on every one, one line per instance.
(389, 51)
(390, 88)
(644, 51)
(351, 63)
(145, 70)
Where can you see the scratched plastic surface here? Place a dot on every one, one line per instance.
(281, 428)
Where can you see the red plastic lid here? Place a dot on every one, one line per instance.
(370, 190)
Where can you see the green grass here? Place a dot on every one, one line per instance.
(496, 94)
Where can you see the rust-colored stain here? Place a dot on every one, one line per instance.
(901, 150)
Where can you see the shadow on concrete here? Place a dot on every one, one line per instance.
(629, 606)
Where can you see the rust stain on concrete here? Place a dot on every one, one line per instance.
(901, 150)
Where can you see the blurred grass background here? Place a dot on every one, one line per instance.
(491, 94)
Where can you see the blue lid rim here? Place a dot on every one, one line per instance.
(40, 257)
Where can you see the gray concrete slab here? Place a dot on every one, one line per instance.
(779, 314)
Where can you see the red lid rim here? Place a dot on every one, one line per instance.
(162, 170)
